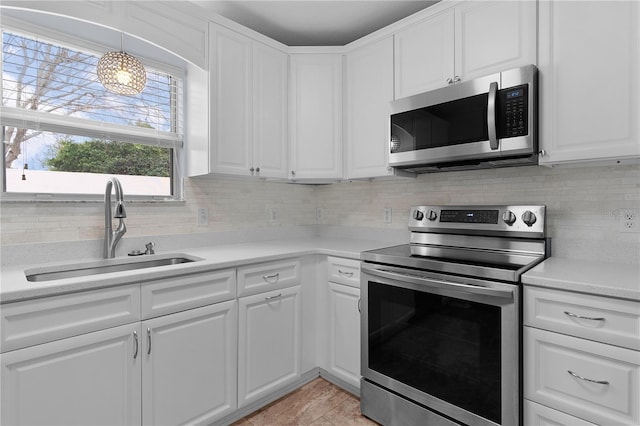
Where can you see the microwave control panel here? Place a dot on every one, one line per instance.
(513, 111)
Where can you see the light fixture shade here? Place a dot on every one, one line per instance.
(121, 73)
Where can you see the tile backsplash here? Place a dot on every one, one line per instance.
(583, 208)
(583, 204)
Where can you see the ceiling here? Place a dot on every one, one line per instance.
(315, 23)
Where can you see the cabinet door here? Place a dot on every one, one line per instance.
(589, 81)
(270, 89)
(593, 381)
(540, 415)
(189, 366)
(424, 58)
(493, 36)
(231, 102)
(92, 379)
(344, 333)
(369, 89)
(316, 116)
(269, 345)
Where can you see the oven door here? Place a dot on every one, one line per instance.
(450, 344)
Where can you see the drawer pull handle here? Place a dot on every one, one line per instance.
(273, 297)
(149, 341)
(360, 304)
(273, 277)
(135, 340)
(346, 274)
(599, 382)
(584, 318)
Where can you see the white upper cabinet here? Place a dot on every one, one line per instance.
(369, 89)
(424, 58)
(464, 42)
(248, 91)
(231, 108)
(589, 84)
(493, 36)
(316, 116)
(270, 112)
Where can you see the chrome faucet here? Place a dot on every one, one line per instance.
(112, 237)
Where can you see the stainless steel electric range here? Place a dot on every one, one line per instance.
(441, 319)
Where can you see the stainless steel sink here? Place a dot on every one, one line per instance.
(104, 267)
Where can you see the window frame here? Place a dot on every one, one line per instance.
(83, 127)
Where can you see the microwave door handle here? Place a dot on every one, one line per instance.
(491, 116)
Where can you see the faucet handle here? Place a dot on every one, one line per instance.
(149, 246)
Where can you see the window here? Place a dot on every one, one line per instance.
(64, 133)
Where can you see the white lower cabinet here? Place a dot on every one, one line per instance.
(539, 415)
(269, 342)
(580, 359)
(189, 364)
(344, 332)
(107, 367)
(92, 379)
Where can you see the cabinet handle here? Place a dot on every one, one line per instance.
(149, 341)
(251, 170)
(273, 297)
(449, 80)
(359, 304)
(267, 278)
(542, 153)
(572, 315)
(293, 173)
(135, 341)
(457, 79)
(257, 169)
(599, 382)
(346, 274)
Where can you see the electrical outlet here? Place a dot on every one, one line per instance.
(387, 215)
(319, 214)
(273, 215)
(628, 221)
(203, 216)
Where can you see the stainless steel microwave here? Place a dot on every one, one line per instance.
(483, 123)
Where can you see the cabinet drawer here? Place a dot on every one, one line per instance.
(598, 318)
(192, 291)
(32, 322)
(539, 415)
(261, 277)
(344, 271)
(561, 372)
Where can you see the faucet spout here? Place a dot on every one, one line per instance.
(111, 237)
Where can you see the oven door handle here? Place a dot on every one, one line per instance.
(434, 283)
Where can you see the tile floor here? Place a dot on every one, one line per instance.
(318, 403)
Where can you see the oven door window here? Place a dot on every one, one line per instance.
(451, 123)
(446, 347)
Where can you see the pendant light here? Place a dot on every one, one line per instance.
(121, 73)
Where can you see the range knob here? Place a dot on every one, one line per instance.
(418, 215)
(432, 215)
(529, 218)
(509, 217)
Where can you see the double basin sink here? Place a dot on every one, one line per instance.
(106, 266)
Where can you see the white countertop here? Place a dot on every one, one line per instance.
(14, 285)
(599, 278)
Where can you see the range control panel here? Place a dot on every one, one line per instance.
(519, 220)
